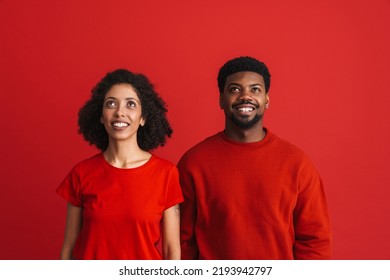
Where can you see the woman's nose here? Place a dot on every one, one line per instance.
(120, 112)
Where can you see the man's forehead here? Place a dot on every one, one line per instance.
(245, 75)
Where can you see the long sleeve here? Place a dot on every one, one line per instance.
(311, 217)
(189, 249)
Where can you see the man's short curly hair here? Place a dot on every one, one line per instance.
(150, 136)
(243, 64)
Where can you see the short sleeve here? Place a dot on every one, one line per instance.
(69, 189)
(173, 195)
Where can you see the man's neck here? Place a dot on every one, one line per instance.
(249, 135)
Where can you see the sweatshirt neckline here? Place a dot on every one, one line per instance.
(267, 139)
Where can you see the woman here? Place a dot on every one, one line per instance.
(120, 200)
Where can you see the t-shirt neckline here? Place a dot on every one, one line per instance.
(132, 169)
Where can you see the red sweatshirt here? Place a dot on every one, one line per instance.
(262, 200)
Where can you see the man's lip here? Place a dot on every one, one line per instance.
(245, 104)
(245, 109)
(239, 106)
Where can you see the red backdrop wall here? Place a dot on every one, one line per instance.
(329, 62)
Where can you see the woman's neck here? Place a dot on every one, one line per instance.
(125, 156)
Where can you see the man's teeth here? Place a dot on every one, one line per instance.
(245, 109)
(120, 124)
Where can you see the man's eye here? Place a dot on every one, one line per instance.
(234, 89)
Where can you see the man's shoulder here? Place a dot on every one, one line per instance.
(202, 147)
(285, 145)
(291, 151)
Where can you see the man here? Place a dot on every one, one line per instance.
(249, 194)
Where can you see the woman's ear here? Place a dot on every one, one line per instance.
(142, 122)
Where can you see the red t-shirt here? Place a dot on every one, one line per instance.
(122, 208)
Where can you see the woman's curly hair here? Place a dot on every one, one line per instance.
(150, 136)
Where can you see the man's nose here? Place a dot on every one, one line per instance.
(245, 95)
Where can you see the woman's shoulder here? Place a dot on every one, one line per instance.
(89, 163)
(162, 164)
(161, 161)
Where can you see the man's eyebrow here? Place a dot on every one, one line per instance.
(251, 85)
(233, 84)
(257, 84)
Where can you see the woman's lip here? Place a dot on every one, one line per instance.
(120, 124)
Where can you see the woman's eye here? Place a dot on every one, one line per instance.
(131, 104)
(110, 104)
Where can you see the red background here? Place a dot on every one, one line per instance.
(329, 62)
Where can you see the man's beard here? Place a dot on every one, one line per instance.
(246, 124)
